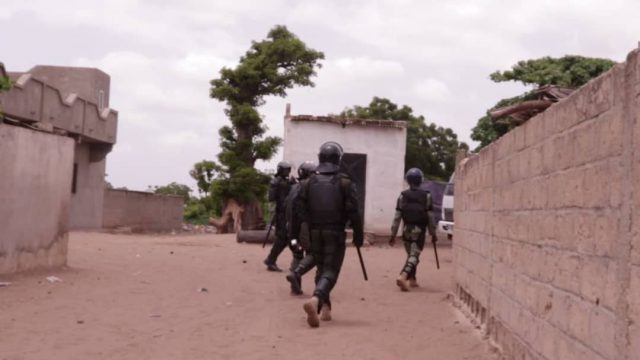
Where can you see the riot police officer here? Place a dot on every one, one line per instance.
(413, 208)
(328, 199)
(300, 242)
(278, 191)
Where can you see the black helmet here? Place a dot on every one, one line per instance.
(284, 169)
(329, 157)
(306, 169)
(414, 177)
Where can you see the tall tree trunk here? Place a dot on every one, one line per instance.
(237, 217)
(252, 216)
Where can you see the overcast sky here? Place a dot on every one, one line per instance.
(434, 56)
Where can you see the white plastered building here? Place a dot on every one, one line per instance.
(374, 158)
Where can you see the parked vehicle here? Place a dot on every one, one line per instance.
(436, 188)
(446, 223)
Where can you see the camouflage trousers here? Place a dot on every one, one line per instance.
(413, 237)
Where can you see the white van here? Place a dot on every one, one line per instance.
(446, 224)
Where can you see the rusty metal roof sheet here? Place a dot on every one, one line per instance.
(344, 122)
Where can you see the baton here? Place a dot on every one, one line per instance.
(435, 251)
(364, 270)
(266, 238)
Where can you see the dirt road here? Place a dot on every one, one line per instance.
(140, 297)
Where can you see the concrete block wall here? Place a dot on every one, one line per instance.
(35, 190)
(142, 211)
(547, 241)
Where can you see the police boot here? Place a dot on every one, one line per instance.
(413, 283)
(325, 313)
(296, 283)
(311, 308)
(271, 266)
(403, 282)
(294, 263)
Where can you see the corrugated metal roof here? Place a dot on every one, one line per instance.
(344, 122)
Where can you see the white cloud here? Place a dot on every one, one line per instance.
(181, 138)
(367, 68)
(432, 56)
(5, 13)
(164, 111)
(432, 90)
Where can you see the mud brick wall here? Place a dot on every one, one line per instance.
(141, 211)
(547, 240)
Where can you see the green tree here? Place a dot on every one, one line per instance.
(269, 67)
(203, 173)
(173, 188)
(568, 71)
(430, 147)
(5, 83)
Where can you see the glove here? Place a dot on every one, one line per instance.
(295, 245)
(434, 239)
(358, 240)
(392, 240)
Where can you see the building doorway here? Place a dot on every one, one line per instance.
(355, 165)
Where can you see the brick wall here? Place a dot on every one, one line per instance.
(142, 211)
(547, 242)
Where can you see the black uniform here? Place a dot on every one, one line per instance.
(278, 190)
(302, 242)
(327, 201)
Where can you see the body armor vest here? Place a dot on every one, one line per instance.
(414, 207)
(326, 200)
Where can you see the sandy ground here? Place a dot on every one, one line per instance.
(137, 297)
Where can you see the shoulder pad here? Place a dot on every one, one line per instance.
(275, 181)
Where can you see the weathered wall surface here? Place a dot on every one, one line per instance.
(547, 248)
(35, 101)
(76, 101)
(35, 189)
(142, 211)
(88, 83)
(385, 149)
(87, 202)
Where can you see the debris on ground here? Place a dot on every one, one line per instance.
(202, 289)
(53, 279)
(4, 284)
(122, 230)
(199, 229)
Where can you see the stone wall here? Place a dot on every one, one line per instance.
(142, 211)
(35, 189)
(547, 241)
